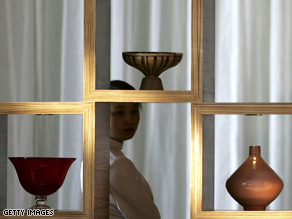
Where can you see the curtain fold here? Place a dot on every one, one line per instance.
(41, 59)
(253, 51)
(152, 25)
(161, 147)
(41, 50)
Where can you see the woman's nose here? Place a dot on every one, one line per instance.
(128, 118)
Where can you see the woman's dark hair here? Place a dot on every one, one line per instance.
(120, 85)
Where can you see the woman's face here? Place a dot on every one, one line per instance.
(124, 120)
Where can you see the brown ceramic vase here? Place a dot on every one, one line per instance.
(152, 64)
(254, 185)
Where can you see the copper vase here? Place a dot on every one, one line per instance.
(254, 185)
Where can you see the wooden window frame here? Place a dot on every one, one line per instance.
(87, 110)
(198, 111)
(92, 96)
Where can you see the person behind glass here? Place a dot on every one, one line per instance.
(130, 194)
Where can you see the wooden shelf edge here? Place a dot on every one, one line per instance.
(141, 96)
(45, 107)
(244, 214)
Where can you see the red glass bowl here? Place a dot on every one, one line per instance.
(41, 176)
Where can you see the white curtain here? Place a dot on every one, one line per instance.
(160, 148)
(41, 50)
(151, 25)
(253, 52)
(41, 59)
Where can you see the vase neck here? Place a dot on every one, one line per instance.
(254, 150)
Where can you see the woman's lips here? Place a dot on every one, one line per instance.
(128, 130)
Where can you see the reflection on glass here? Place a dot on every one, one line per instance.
(41, 50)
(151, 26)
(46, 136)
(233, 136)
(160, 151)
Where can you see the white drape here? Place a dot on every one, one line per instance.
(41, 59)
(253, 52)
(160, 148)
(151, 25)
(41, 50)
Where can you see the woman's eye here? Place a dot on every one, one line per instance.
(120, 113)
(135, 111)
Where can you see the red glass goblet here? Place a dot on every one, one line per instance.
(41, 176)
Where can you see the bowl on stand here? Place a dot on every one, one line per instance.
(152, 64)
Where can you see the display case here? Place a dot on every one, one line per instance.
(86, 110)
(203, 162)
(95, 112)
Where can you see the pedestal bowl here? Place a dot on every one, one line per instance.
(41, 176)
(152, 64)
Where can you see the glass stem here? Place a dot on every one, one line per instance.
(40, 202)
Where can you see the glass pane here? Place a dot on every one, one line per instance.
(233, 134)
(151, 26)
(160, 151)
(41, 50)
(46, 136)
